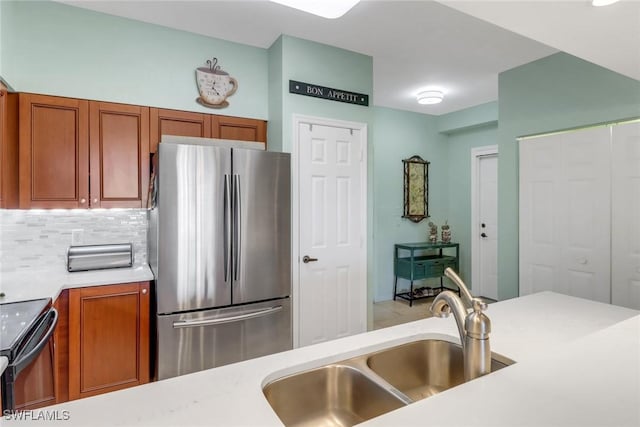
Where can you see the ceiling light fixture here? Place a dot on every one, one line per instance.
(430, 97)
(598, 3)
(330, 9)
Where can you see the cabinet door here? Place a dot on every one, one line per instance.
(238, 128)
(180, 123)
(61, 348)
(54, 152)
(8, 148)
(119, 138)
(108, 338)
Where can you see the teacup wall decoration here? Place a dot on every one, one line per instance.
(214, 85)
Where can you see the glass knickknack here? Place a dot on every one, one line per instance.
(416, 189)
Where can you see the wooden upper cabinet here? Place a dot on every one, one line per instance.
(119, 152)
(8, 148)
(179, 123)
(238, 128)
(54, 152)
(108, 338)
(75, 153)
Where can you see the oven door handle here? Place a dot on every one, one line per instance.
(50, 319)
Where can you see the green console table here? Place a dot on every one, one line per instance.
(417, 261)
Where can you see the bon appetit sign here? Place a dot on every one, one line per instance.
(331, 94)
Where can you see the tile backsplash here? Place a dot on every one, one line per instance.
(38, 239)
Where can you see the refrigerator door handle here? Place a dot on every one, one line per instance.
(223, 320)
(227, 227)
(237, 211)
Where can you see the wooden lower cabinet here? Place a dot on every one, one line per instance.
(108, 338)
(61, 350)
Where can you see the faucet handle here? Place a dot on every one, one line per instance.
(477, 324)
(478, 305)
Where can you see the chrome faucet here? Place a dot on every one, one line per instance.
(474, 326)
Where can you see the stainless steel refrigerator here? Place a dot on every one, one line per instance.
(220, 249)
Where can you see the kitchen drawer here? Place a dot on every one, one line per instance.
(437, 266)
(424, 267)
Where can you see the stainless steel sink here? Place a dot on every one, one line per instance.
(333, 395)
(357, 389)
(423, 368)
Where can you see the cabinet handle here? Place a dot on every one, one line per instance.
(83, 201)
(95, 201)
(144, 291)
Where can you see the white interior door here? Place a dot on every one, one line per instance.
(487, 230)
(565, 182)
(332, 230)
(625, 244)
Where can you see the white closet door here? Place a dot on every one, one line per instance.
(625, 228)
(540, 242)
(565, 214)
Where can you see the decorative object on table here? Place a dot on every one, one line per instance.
(446, 233)
(433, 232)
(214, 85)
(416, 188)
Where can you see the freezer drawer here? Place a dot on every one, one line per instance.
(191, 342)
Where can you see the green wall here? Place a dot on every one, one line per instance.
(323, 65)
(459, 145)
(2, 37)
(469, 118)
(276, 94)
(56, 49)
(554, 93)
(399, 135)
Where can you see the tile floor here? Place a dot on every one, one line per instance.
(390, 313)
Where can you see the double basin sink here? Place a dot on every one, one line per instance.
(354, 390)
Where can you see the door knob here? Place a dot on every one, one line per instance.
(307, 259)
(483, 235)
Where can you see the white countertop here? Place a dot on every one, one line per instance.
(577, 364)
(48, 283)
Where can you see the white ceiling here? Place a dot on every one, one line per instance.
(418, 44)
(608, 36)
